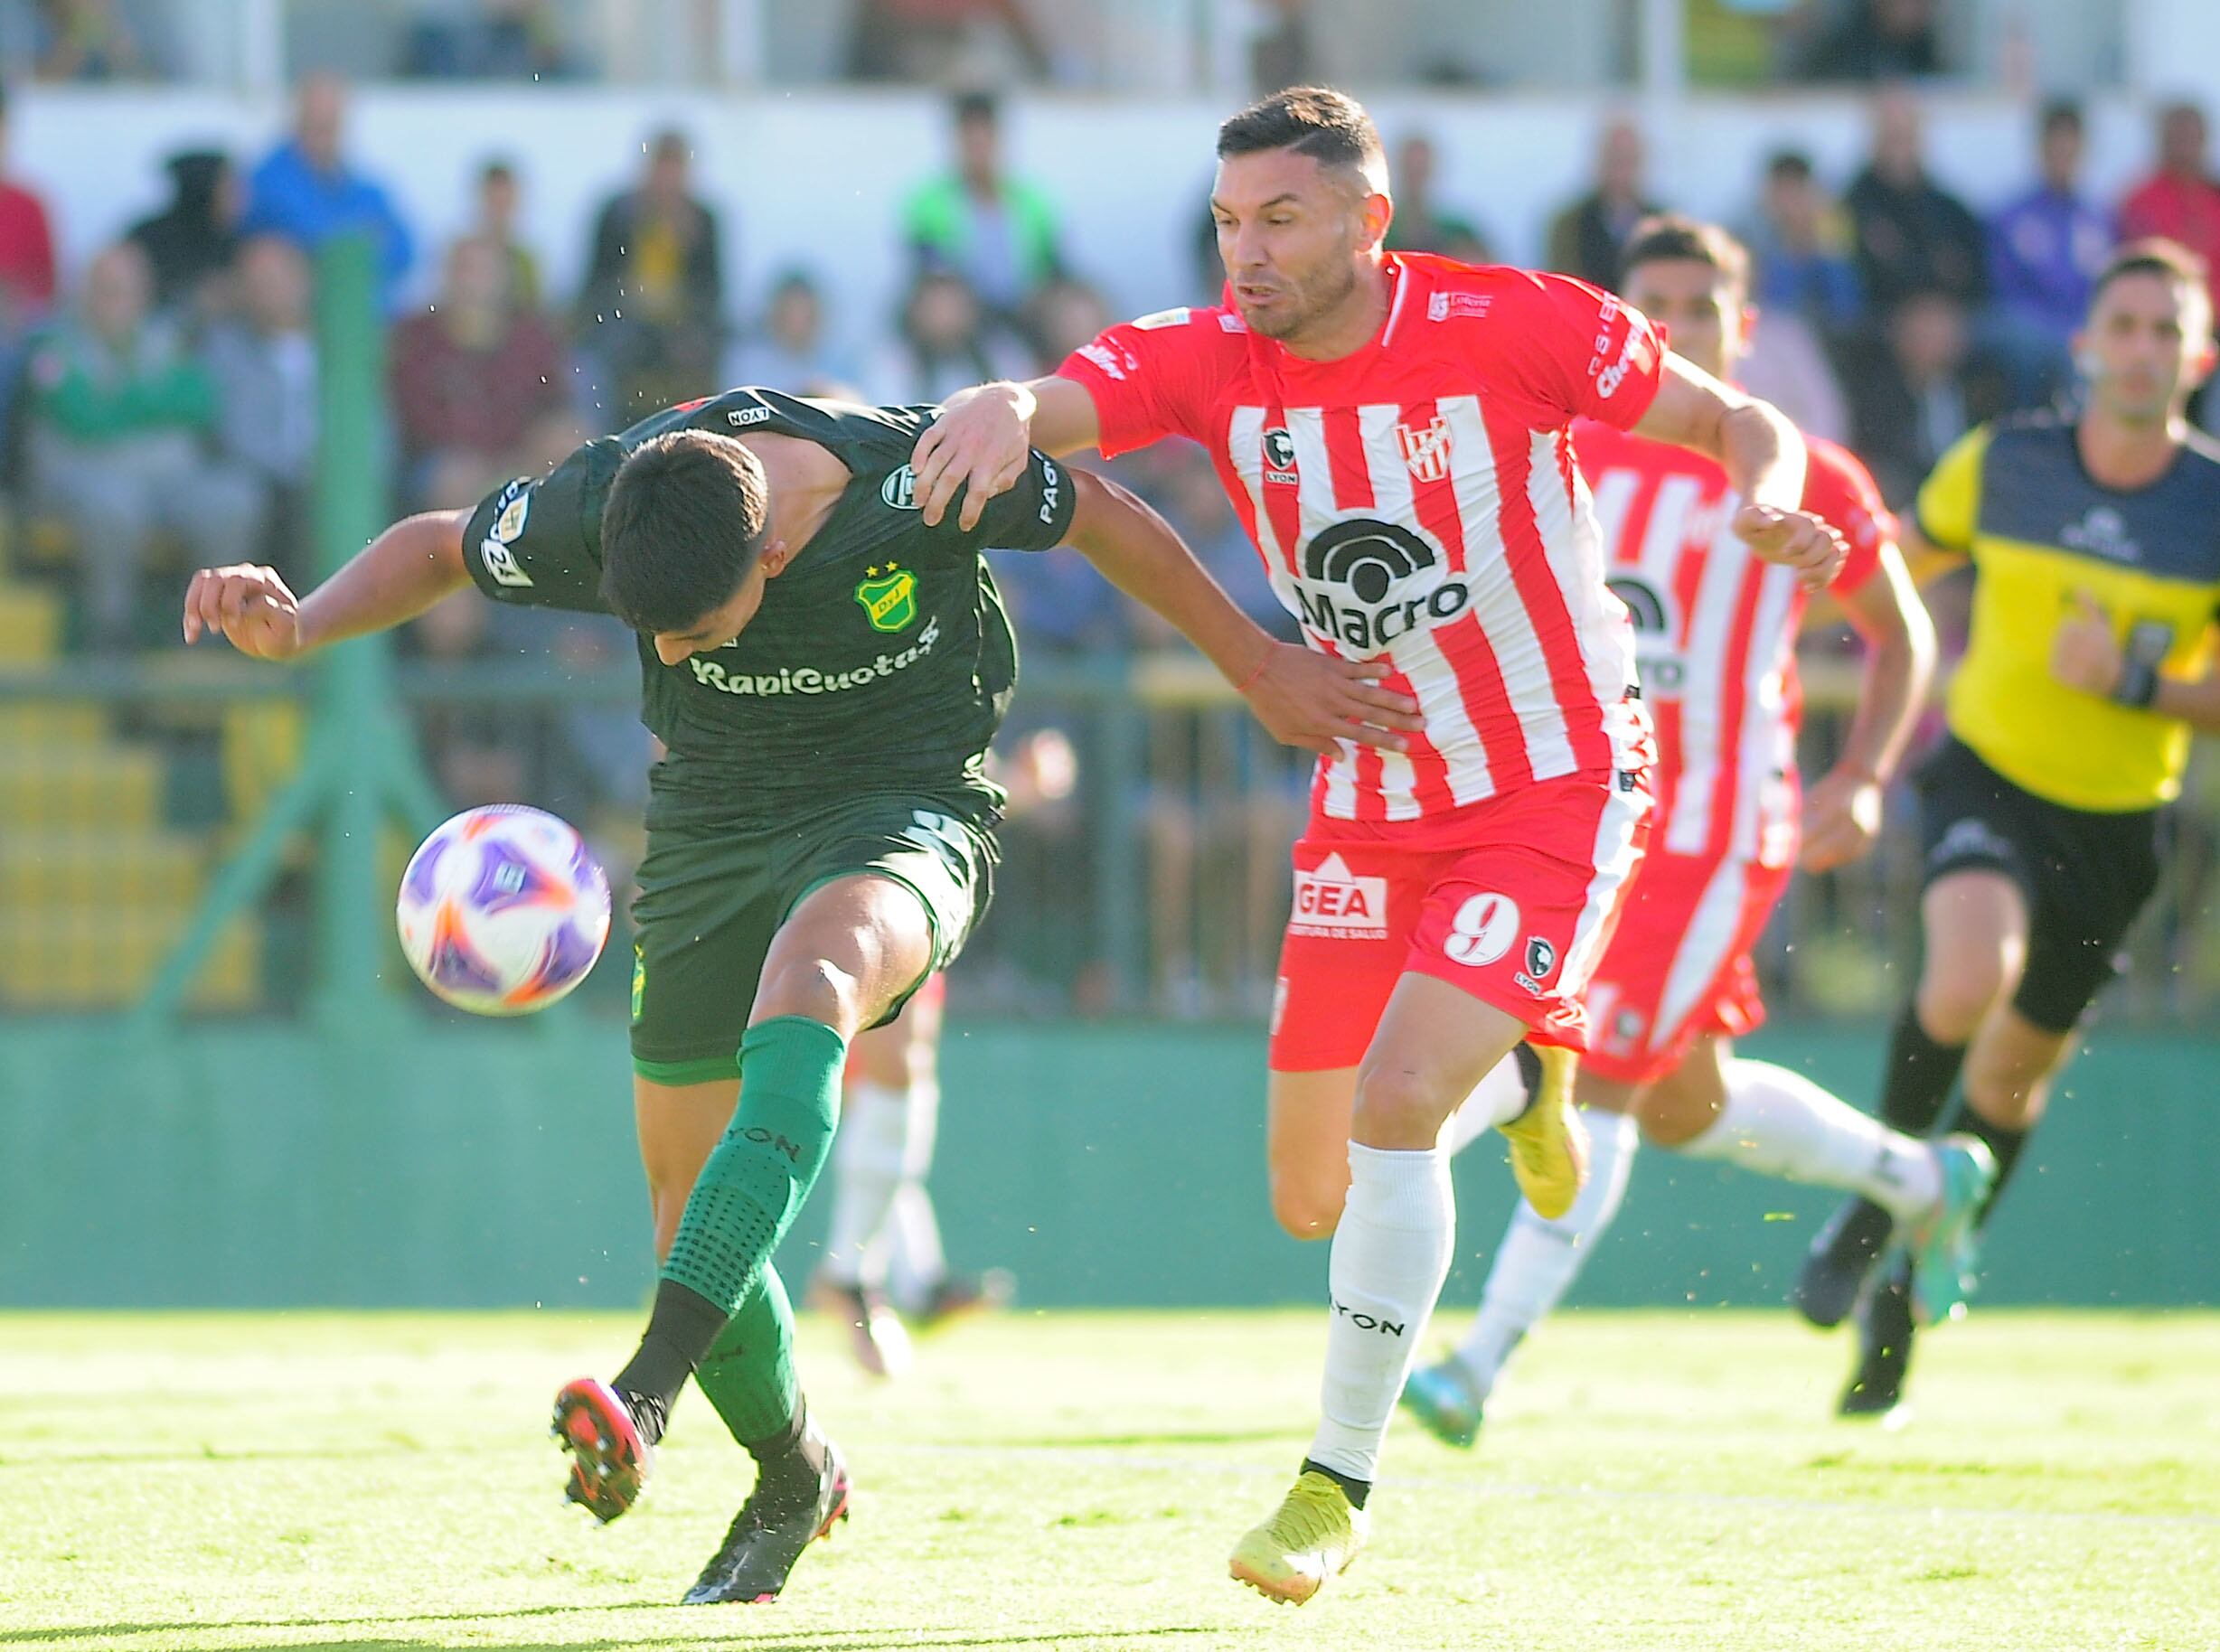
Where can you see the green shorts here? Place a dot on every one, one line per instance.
(711, 899)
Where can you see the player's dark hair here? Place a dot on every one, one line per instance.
(684, 523)
(1665, 236)
(1789, 163)
(2060, 112)
(2153, 255)
(1330, 126)
(978, 105)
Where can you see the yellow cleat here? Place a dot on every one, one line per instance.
(1312, 1536)
(1549, 1143)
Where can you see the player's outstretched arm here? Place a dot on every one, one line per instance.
(1842, 812)
(2086, 655)
(397, 576)
(981, 442)
(1304, 698)
(1763, 456)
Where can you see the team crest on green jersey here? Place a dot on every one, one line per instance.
(890, 598)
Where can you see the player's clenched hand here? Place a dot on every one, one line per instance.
(2084, 654)
(250, 605)
(979, 443)
(1793, 539)
(1841, 819)
(1314, 701)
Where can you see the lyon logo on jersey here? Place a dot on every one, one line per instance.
(1330, 902)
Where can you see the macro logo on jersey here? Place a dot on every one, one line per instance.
(1656, 619)
(889, 599)
(1366, 582)
(1426, 452)
(899, 490)
(1330, 902)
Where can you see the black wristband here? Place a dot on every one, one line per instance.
(2138, 685)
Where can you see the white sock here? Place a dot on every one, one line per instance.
(1497, 1099)
(1538, 1261)
(1390, 1255)
(1781, 1123)
(869, 1161)
(916, 1264)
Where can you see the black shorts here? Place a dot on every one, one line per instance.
(711, 898)
(2086, 875)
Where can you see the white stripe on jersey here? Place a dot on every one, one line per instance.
(1306, 428)
(1703, 688)
(1615, 860)
(1392, 501)
(1613, 497)
(1705, 947)
(1497, 604)
(1767, 747)
(1245, 432)
(1599, 627)
(1666, 531)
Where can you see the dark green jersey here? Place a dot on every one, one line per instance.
(881, 660)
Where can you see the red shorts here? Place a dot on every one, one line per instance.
(1678, 965)
(1515, 910)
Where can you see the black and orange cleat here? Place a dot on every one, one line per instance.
(771, 1531)
(612, 1446)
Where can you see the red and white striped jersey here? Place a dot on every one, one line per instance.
(1715, 632)
(1417, 501)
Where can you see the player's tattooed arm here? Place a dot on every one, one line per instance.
(402, 572)
(2086, 655)
(1301, 697)
(1764, 458)
(1842, 810)
(982, 441)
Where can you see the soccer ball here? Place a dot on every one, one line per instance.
(503, 910)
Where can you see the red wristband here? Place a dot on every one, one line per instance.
(1249, 681)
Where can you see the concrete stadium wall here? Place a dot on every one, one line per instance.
(1105, 1164)
(815, 177)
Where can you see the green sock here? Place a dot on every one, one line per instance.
(748, 1193)
(747, 1373)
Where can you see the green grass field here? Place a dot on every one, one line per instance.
(1649, 1482)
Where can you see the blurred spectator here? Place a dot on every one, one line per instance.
(117, 411)
(1281, 52)
(92, 40)
(473, 749)
(996, 232)
(26, 256)
(944, 343)
(508, 39)
(479, 385)
(924, 42)
(1921, 390)
(1065, 315)
(1584, 239)
(2044, 250)
(1877, 40)
(1061, 607)
(1913, 235)
(1801, 248)
(1421, 224)
(1787, 364)
(499, 194)
(2181, 200)
(1194, 501)
(191, 242)
(263, 360)
(306, 189)
(653, 309)
(790, 350)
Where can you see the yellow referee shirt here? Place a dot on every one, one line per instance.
(2014, 496)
